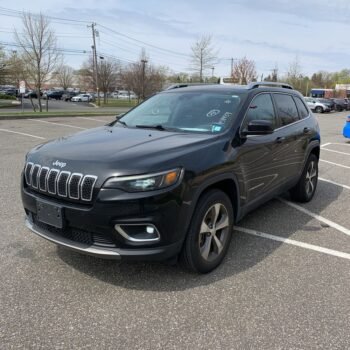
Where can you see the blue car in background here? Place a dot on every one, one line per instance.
(346, 130)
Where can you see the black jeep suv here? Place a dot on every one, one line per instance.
(172, 176)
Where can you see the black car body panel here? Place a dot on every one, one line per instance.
(251, 169)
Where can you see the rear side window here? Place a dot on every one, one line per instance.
(303, 112)
(261, 108)
(286, 109)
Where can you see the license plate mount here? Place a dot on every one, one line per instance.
(50, 214)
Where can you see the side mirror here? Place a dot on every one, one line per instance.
(259, 127)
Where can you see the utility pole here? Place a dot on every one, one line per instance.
(94, 59)
(143, 61)
(212, 72)
(232, 67)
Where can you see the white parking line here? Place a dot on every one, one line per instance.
(341, 165)
(293, 242)
(98, 120)
(60, 124)
(316, 216)
(24, 134)
(336, 143)
(331, 150)
(334, 183)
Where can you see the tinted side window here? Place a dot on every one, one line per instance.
(303, 112)
(286, 108)
(261, 108)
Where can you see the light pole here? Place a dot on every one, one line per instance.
(143, 61)
(212, 72)
(101, 75)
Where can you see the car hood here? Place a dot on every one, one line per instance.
(120, 150)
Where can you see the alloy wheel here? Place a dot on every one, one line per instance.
(213, 232)
(311, 178)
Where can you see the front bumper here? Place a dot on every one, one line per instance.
(90, 229)
(160, 253)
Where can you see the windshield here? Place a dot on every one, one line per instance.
(208, 112)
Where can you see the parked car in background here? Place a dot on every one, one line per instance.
(346, 130)
(81, 98)
(67, 96)
(11, 92)
(340, 104)
(316, 105)
(123, 95)
(328, 102)
(32, 94)
(53, 95)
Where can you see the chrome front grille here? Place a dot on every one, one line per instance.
(62, 183)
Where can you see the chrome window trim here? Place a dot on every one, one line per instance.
(92, 187)
(66, 184)
(78, 186)
(37, 178)
(28, 180)
(43, 189)
(47, 181)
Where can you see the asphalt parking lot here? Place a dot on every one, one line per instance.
(285, 283)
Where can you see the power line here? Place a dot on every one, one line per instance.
(144, 43)
(16, 13)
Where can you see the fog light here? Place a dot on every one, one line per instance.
(138, 232)
(150, 229)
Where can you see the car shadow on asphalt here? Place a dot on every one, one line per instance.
(244, 253)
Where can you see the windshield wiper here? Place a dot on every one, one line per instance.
(157, 127)
(121, 122)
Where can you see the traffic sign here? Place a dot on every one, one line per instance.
(22, 87)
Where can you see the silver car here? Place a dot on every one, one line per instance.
(316, 105)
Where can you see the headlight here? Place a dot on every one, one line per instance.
(149, 182)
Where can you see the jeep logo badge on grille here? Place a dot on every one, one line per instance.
(60, 164)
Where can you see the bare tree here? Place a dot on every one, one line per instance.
(294, 73)
(244, 71)
(38, 46)
(107, 70)
(65, 76)
(15, 71)
(3, 66)
(143, 77)
(107, 75)
(203, 55)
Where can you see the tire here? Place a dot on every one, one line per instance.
(306, 187)
(319, 109)
(205, 247)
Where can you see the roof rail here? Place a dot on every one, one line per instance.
(257, 84)
(181, 85)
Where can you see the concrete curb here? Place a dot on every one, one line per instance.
(16, 117)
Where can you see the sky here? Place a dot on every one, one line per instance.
(270, 32)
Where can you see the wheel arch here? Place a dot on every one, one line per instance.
(227, 183)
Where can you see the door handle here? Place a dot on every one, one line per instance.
(280, 139)
(306, 130)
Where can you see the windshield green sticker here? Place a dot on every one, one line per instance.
(216, 127)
